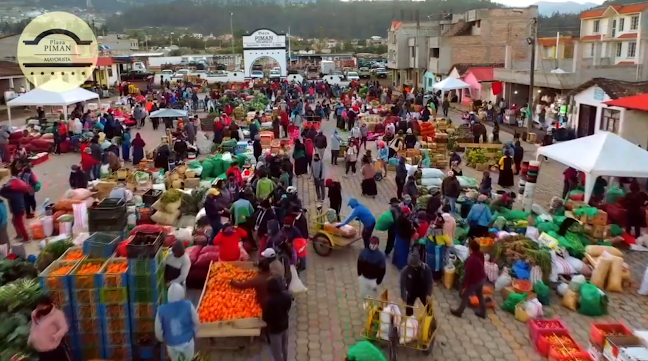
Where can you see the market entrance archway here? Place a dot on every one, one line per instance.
(264, 43)
(265, 63)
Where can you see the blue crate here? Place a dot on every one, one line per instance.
(90, 353)
(102, 244)
(117, 339)
(148, 353)
(87, 311)
(60, 298)
(91, 325)
(73, 344)
(109, 312)
(62, 283)
(142, 310)
(142, 325)
(85, 296)
(124, 353)
(90, 339)
(116, 325)
(84, 281)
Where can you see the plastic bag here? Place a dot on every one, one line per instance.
(615, 279)
(643, 289)
(65, 228)
(570, 300)
(576, 283)
(365, 350)
(613, 194)
(512, 300)
(533, 308)
(408, 331)
(592, 301)
(296, 286)
(385, 221)
(448, 276)
(37, 229)
(492, 271)
(600, 274)
(542, 292)
(521, 270)
(432, 173)
(536, 274)
(615, 230)
(503, 281)
(562, 289)
(385, 317)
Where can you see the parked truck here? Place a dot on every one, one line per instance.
(326, 67)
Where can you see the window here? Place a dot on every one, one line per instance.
(634, 23)
(621, 24)
(413, 51)
(597, 25)
(591, 46)
(618, 49)
(632, 49)
(610, 120)
(110, 72)
(434, 52)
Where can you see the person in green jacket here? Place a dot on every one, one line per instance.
(425, 162)
(264, 187)
(241, 210)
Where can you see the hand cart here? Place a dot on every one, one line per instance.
(324, 242)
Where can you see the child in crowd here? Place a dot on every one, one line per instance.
(486, 185)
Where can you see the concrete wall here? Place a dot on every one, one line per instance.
(634, 127)
(9, 48)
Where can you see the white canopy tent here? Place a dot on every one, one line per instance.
(168, 113)
(42, 97)
(449, 84)
(602, 154)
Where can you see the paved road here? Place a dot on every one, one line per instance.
(329, 317)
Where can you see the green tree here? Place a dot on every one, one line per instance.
(362, 42)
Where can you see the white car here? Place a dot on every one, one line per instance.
(275, 74)
(164, 76)
(256, 74)
(181, 73)
(352, 75)
(276, 68)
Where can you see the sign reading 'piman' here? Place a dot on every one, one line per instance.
(58, 46)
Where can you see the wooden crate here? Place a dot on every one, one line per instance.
(232, 328)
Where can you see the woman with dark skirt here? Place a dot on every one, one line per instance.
(505, 171)
(368, 171)
(299, 156)
(48, 330)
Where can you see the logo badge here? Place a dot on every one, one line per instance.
(58, 51)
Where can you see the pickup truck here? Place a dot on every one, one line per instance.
(364, 73)
(352, 75)
(136, 75)
(275, 75)
(381, 73)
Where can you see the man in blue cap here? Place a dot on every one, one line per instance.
(363, 214)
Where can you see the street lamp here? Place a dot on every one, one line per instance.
(171, 39)
(232, 30)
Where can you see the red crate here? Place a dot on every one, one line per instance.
(581, 356)
(555, 354)
(542, 344)
(600, 331)
(536, 325)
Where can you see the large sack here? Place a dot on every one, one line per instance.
(596, 251)
(205, 258)
(615, 279)
(467, 182)
(431, 182)
(600, 274)
(346, 231)
(78, 194)
(385, 221)
(592, 301)
(165, 218)
(431, 173)
(168, 207)
(570, 300)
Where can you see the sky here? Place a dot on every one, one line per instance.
(530, 2)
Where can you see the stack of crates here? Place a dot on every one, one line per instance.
(56, 281)
(86, 296)
(114, 310)
(146, 291)
(108, 216)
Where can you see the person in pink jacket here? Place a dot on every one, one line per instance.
(48, 328)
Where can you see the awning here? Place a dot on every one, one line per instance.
(105, 61)
(482, 74)
(635, 102)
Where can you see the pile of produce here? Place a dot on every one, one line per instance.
(52, 252)
(476, 156)
(259, 103)
(223, 302)
(513, 248)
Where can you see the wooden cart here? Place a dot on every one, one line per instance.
(248, 327)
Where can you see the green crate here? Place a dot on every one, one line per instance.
(144, 295)
(114, 296)
(142, 281)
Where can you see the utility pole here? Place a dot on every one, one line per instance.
(532, 41)
(232, 30)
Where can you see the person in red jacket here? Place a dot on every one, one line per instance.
(228, 240)
(284, 121)
(87, 161)
(235, 171)
(474, 279)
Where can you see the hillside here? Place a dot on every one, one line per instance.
(566, 7)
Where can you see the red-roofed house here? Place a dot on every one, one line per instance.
(480, 77)
(612, 35)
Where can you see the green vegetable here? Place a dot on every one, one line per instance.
(52, 252)
(171, 196)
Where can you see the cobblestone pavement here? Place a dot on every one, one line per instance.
(329, 317)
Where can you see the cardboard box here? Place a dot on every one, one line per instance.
(506, 291)
(595, 351)
(191, 183)
(614, 344)
(4, 172)
(190, 174)
(599, 232)
(599, 219)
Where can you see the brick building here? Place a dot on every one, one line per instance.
(424, 53)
